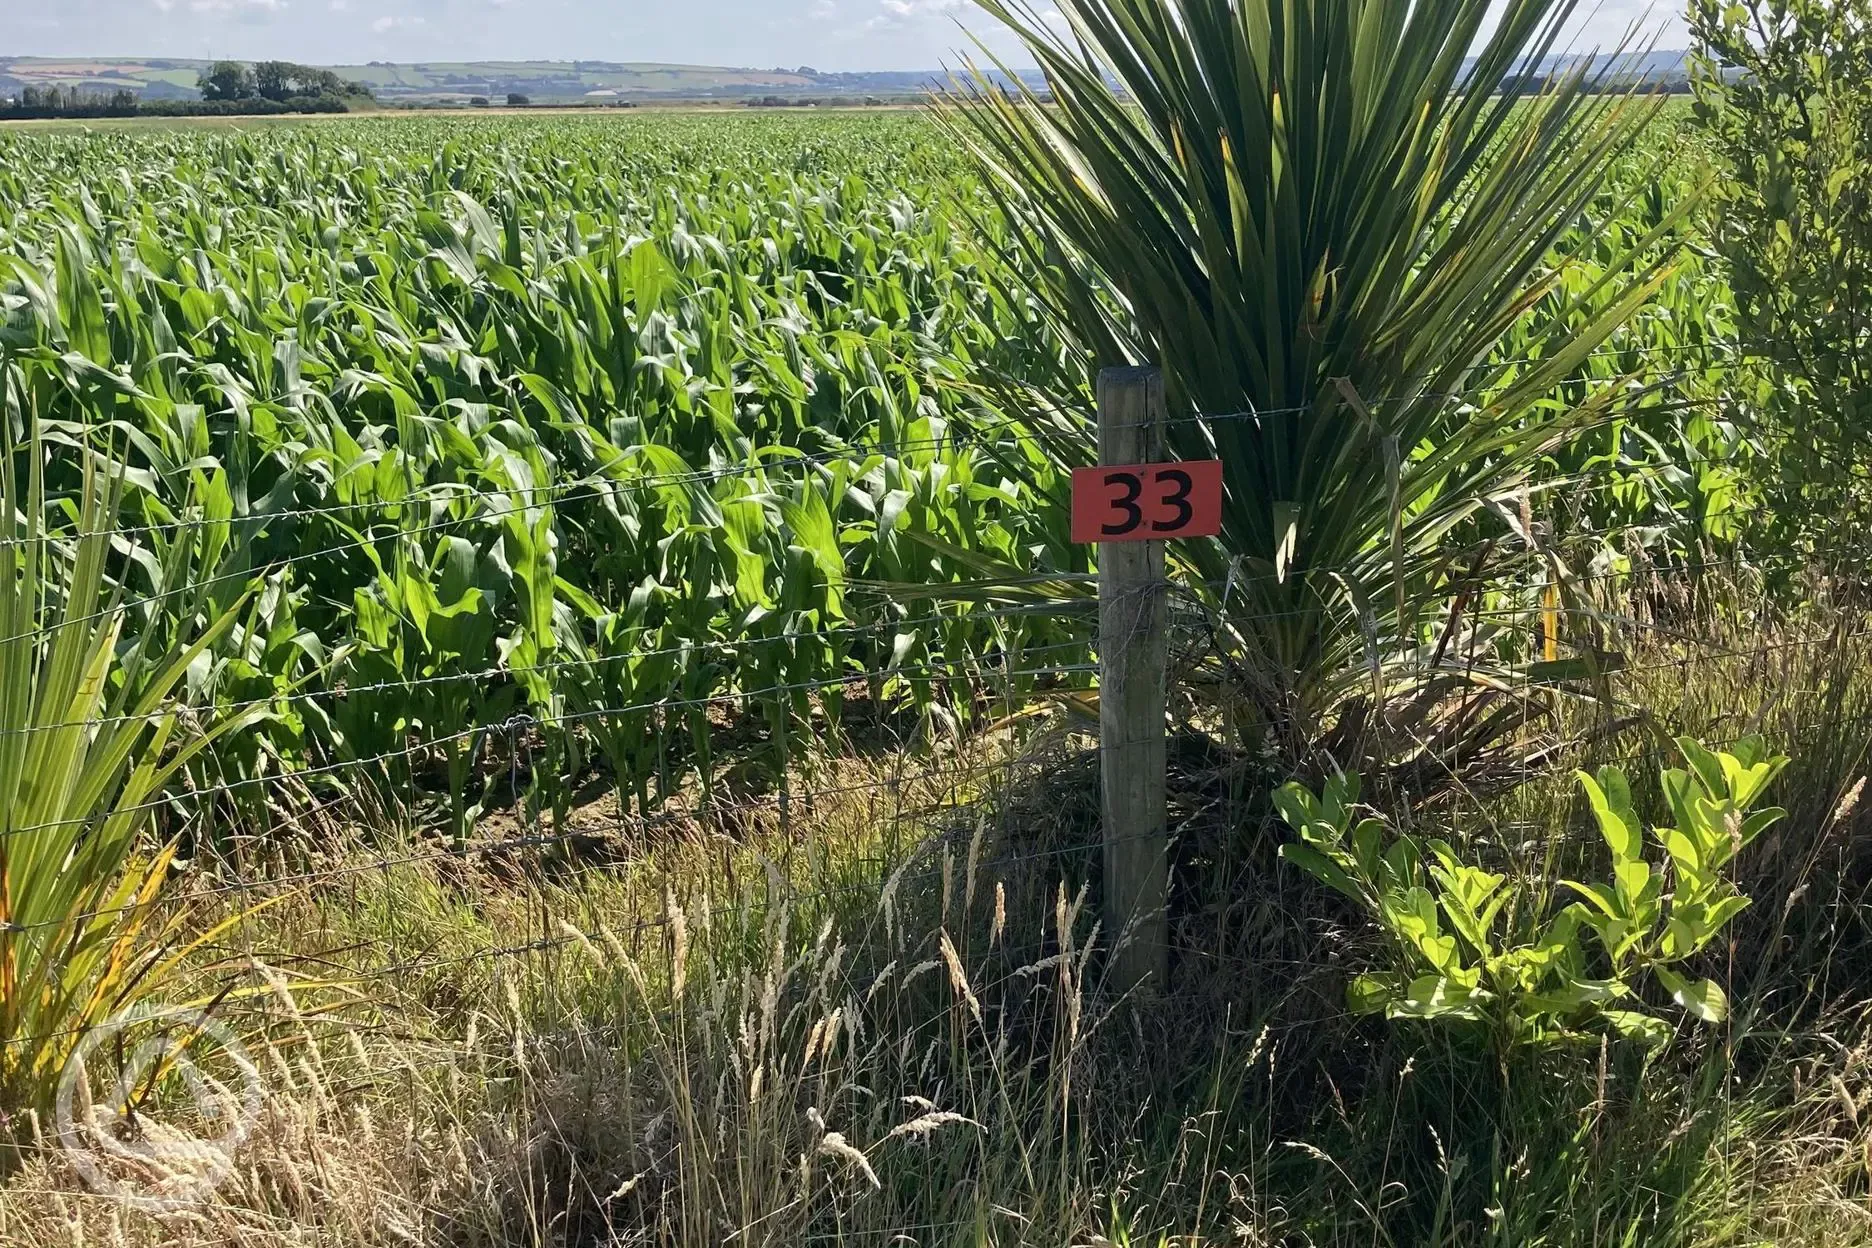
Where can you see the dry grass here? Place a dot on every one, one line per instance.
(884, 1024)
(721, 1044)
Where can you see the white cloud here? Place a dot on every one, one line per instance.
(822, 11)
(898, 13)
(384, 25)
(233, 6)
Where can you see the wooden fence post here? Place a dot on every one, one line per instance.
(1133, 653)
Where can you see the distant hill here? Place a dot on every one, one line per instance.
(1660, 67)
(151, 79)
(445, 82)
(457, 81)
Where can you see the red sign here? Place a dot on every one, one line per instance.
(1147, 502)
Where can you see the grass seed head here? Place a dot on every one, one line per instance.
(835, 1145)
(932, 1122)
(958, 978)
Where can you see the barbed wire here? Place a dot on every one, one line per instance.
(706, 648)
(716, 810)
(982, 665)
(545, 719)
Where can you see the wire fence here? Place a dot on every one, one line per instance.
(1017, 663)
(989, 671)
(886, 785)
(1059, 682)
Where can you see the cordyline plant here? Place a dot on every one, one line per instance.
(1324, 216)
(88, 738)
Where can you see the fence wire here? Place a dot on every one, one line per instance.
(519, 856)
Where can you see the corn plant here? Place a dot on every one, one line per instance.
(89, 736)
(1671, 482)
(621, 425)
(1470, 947)
(568, 421)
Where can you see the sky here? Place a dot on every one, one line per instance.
(826, 34)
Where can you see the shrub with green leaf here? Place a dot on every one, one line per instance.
(1470, 946)
(1785, 100)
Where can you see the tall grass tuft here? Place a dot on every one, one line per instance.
(88, 738)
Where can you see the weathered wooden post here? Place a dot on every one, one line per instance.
(1133, 656)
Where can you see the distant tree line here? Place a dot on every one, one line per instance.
(229, 89)
(280, 82)
(62, 102)
(52, 104)
(815, 101)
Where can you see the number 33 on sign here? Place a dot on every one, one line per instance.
(1147, 502)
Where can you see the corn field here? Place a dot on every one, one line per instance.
(542, 418)
(536, 419)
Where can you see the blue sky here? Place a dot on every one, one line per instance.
(827, 34)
